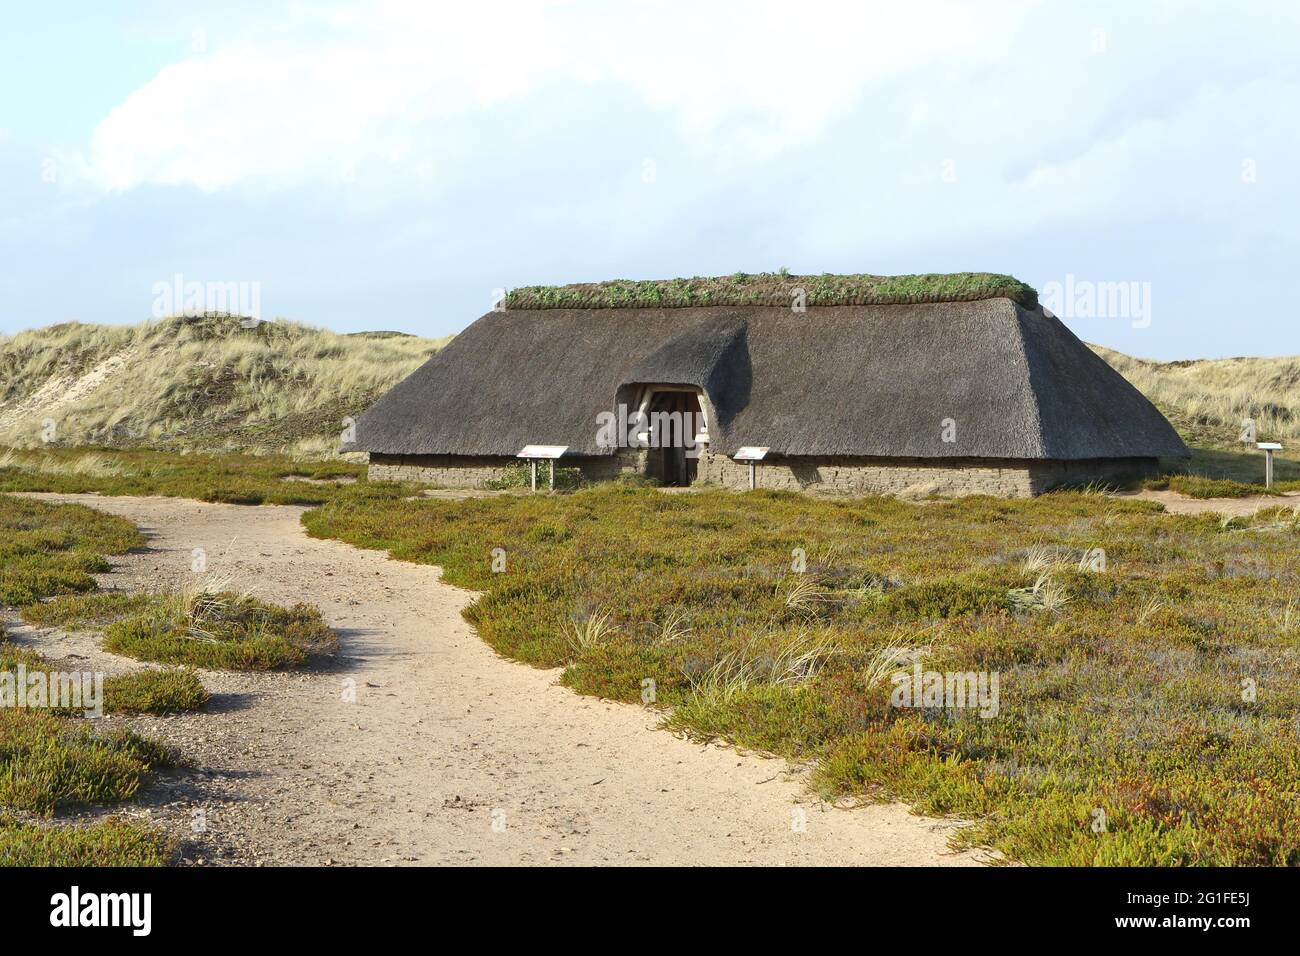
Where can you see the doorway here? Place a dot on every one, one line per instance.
(675, 419)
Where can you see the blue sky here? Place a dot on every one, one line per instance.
(387, 165)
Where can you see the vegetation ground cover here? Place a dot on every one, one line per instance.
(53, 759)
(1159, 695)
(230, 479)
(221, 630)
(773, 289)
(1122, 690)
(50, 761)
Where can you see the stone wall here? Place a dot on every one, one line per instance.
(863, 476)
(464, 471)
(444, 471)
(918, 477)
(915, 477)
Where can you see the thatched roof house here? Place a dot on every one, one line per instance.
(951, 384)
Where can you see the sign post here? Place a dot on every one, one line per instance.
(1268, 447)
(536, 453)
(752, 454)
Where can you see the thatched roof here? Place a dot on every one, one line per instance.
(875, 380)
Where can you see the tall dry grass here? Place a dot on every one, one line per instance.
(1208, 399)
(196, 383)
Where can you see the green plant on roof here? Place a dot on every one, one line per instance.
(774, 289)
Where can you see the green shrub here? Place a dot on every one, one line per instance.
(76, 611)
(521, 476)
(222, 631)
(48, 549)
(110, 842)
(48, 762)
(165, 691)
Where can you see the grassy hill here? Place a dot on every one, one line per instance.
(188, 384)
(1208, 399)
(210, 384)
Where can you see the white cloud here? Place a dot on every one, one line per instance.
(307, 100)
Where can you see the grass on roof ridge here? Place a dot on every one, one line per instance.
(774, 289)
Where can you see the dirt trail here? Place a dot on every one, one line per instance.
(445, 738)
(1228, 507)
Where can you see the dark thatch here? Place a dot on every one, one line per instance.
(842, 381)
(776, 289)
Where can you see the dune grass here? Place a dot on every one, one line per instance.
(1122, 690)
(205, 382)
(1209, 399)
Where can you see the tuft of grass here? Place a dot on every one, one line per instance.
(1039, 558)
(805, 595)
(222, 631)
(675, 628)
(590, 632)
(1045, 594)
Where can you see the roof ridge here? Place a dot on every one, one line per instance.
(775, 289)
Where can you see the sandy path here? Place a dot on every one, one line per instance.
(1228, 507)
(445, 738)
